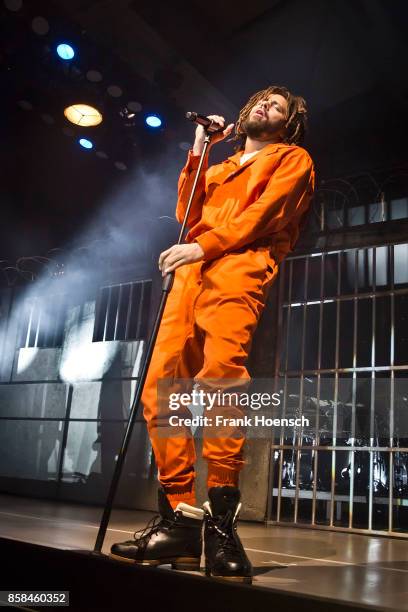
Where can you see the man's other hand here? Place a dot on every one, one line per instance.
(179, 255)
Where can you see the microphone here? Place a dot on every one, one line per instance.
(208, 124)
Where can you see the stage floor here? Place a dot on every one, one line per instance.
(346, 567)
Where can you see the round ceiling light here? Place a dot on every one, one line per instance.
(83, 115)
(65, 51)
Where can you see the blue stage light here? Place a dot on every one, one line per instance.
(84, 142)
(65, 51)
(153, 121)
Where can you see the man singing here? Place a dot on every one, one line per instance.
(244, 219)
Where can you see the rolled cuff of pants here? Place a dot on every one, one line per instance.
(222, 476)
(186, 495)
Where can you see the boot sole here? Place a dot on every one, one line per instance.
(241, 579)
(178, 563)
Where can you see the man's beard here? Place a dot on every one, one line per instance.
(260, 129)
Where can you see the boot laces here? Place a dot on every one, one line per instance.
(153, 526)
(225, 528)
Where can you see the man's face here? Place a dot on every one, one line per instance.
(267, 118)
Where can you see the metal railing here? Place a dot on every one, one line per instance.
(342, 318)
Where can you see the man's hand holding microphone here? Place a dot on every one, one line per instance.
(182, 254)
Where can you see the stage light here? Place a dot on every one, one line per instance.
(134, 106)
(83, 115)
(94, 76)
(40, 26)
(84, 142)
(115, 91)
(153, 121)
(65, 51)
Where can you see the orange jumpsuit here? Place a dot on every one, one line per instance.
(246, 219)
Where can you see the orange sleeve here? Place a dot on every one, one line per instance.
(185, 185)
(287, 193)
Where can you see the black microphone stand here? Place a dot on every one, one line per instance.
(166, 288)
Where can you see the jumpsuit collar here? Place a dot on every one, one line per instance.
(267, 150)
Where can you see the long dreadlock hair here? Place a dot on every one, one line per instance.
(296, 116)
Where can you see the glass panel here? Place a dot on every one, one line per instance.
(91, 450)
(30, 449)
(400, 265)
(399, 208)
(356, 215)
(33, 401)
(382, 280)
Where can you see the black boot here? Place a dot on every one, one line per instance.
(225, 556)
(174, 536)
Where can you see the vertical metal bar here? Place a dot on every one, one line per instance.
(372, 393)
(278, 350)
(281, 437)
(129, 311)
(354, 383)
(108, 305)
(392, 383)
(319, 367)
(117, 312)
(299, 434)
(336, 388)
